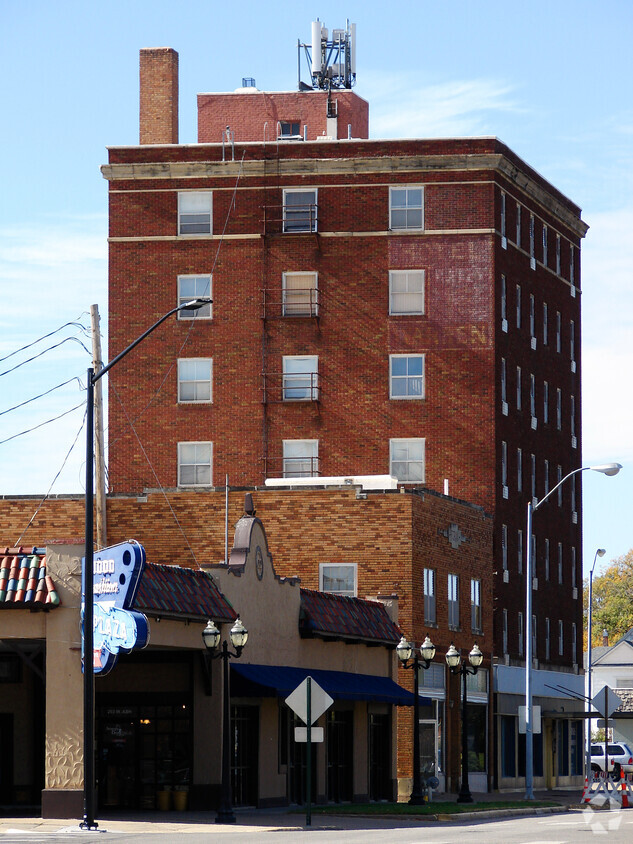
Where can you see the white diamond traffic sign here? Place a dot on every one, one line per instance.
(319, 701)
(606, 701)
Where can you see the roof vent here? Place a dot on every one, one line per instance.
(248, 82)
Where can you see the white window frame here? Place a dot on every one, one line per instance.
(203, 225)
(476, 615)
(305, 463)
(300, 217)
(197, 381)
(430, 600)
(504, 241)
(202, 287)
(304, 381)
(326, 567)
(406, 378)
(411, 278)
(453, 601)
(300, 301)
(399, 442)
(196, 464)
(406, 207)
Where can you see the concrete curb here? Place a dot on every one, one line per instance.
(488, 814)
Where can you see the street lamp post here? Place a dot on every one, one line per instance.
(211, 637)
(421, 658)
(88, 569)
(599, 553)
(608, 469)
(454, 662)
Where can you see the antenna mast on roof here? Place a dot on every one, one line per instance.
(331, 61)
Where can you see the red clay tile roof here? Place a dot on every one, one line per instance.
(24, 582)
(174, 592)
(330, 616)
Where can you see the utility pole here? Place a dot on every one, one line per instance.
(97, 363)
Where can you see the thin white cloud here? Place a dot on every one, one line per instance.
(400, 107)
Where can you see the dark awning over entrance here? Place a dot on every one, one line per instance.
(280, 681)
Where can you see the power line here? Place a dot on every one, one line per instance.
(39, 355)
(46, 336)
(41, 425)
(41, 395)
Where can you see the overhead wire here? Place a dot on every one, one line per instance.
(41, 425)
(41, 395)
(84, 328)
(39, 355)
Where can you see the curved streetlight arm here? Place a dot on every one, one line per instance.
(560, 483)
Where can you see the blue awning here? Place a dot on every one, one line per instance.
(280, 680)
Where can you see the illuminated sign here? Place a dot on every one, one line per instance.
(117, 628)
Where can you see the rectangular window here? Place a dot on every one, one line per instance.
(518, 230)
(560, 562)
(547, 559)
(545, 402)
(573, 496)
(194, 287)
(504, 463)
(406, 460)
(572, 340)
(559, 409)
(406, 208)
(573, 566)
(557, 254)
(475, 605)
(534, 638)
(518, 306)
(338, 578)
(301, 458)
(572, 274)
(406, 376)
(406, 292)
(532, 318)
(519, 469)
(504, 395)
(504, 546)
(558, 332)
(533, 474)
(574, 654)
(532, 261)
(545, 326)
(544, 245)
(559, 477)
(453, 601)
(561, 643)
(503, 215)
(504, 304)
(194, 464)
(547, 639)
(430, 616)
(518, 388)
(289, 129)
(572, 415)
(520, 633)
(300, 210)
(300, 295)
(532, 396)
(194, 212)
(504, 637)
(520, 551)
(301, 378)
(194, 379)
(545, 477)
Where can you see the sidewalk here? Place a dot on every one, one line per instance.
(267, 820)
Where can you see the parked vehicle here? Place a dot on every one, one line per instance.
(619, 757)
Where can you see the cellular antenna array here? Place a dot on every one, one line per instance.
(331, 61)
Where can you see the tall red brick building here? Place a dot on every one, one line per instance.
(402, 307)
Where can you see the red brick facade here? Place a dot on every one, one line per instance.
(159, 96)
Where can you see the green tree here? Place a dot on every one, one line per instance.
(612, 600)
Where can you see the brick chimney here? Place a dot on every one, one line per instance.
(605, 638)
(159, 96)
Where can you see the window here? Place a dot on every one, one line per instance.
(547, 559)
(194, 287)
(504, 466)
(561, 643)
(453, 601)
(504, 547)
(519, 469)
(574, 655)
(475, 605)
(504, 304)
(338, 578)
(194, 379)
(560, 562)
(544, 245)
(406, 292)
(504, 396)
(547, 639)
(194, 464)
(430, 616)
(572, 416)
(558, 332)
(289, 129)
(532, 396)
(545, 402)
(504, 632)
(520, 633)
(518, 309)
(503, 220)
(194, 212)
(545, 477)
(301, 458)
(573, 498)
(406, 376)
(406, 460)
(533, 474)
(300, 210)
(559, 409)
(406, 208)
(534, 639)
(532, 318)
(573, 566)
(301, 378)
(520, 551)
(518, 388)
(571, 266)
(572, 343)
(300, 295)
(518, 231)
(557, 254)
(545, 327)
(532, 260)
(559, 477)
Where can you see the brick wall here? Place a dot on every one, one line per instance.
(158, 96)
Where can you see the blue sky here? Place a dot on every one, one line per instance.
(551, 79)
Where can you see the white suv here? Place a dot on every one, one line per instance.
(619, 757)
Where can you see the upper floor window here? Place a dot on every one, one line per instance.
(453, 601)
(192, 287)
(301, 458)
(504, 304)
(504, 632)
(289, 129)
(406, 460)
(429, 596)
(572, 274)
(532, 260)
(572, 343)
(519, 470)
(406, 292)
(557, 254)
(475, 605)
(194, 212)
(545, 326)
(504, 547)
(503, 220)
(194, 464)
(559, 409)
(545, 402)
(518, 388)
(194, 379)
(406, 208)
(544, 245)
(504, 386)
(300, 295)
(558, 332)
(520, 633)
(338, 578)
(520, 551)
(561, 643)
(300, 210)
(518, 226)
(301, 378)
(532, 318)
(518, 290)
(406, 376)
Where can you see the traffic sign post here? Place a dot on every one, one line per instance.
(309, 701)
(606, 702)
